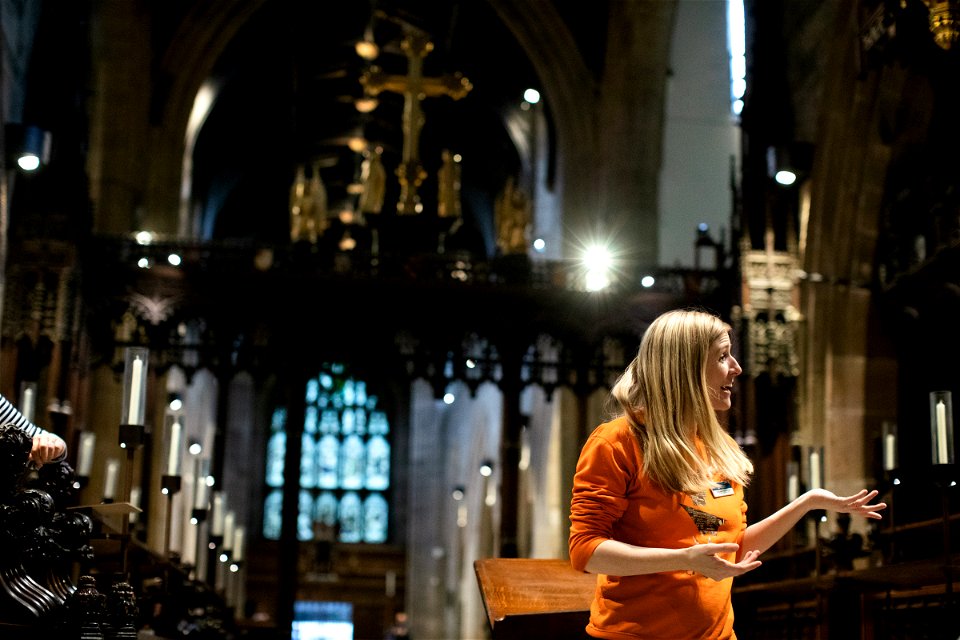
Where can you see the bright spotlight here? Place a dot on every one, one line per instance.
(596, 280)
(597, 257)
(29, 162)
(597, 261)
(785, 178)
(532, 96)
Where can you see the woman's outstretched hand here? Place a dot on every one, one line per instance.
(857, 504)
(706, 560)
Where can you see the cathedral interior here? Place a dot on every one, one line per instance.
(325, 297)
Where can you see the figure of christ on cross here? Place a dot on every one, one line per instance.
(414, 87)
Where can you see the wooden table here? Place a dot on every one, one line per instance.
(529, 598)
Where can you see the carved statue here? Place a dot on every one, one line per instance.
(448, 186)
(317, 213)
(373, 177)
(512, 216)
(122, 612)
(87, 608)
(40, 539)
(14, 453)
(298, 196)
(24, 537)
(308, 205)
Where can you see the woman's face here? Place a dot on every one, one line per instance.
(722, 368)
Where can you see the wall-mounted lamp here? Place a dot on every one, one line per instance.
(35, 150)
(367, 48)
(27, 145)
(357, 142)
(789, 163)
(366, 103)
(707, 252)
(449, 397)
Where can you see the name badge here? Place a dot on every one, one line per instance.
(721, 489)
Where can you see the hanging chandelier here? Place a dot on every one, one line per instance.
(944, 22)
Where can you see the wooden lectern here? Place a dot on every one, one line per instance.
(531, 598)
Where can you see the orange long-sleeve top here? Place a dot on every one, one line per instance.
(612, 500)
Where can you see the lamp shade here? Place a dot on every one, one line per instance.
(789, 163)
(35, 148)
(26, 145)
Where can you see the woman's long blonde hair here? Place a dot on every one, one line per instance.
(667, 382)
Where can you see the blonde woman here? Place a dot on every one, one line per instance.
(658, 509)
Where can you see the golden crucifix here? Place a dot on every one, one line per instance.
(414, 87)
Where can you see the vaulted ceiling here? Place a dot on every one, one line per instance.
(288, 82)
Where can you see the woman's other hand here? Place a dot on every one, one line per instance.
(857, 504)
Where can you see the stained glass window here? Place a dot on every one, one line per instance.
(276, 448)
(328, 453)
(377, 473)
(351, 462)
(273, 515)
(374, 518)
(351, 517)
(326, 510)
(344, 462)
(308, 461)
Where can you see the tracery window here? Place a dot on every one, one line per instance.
(344, 465)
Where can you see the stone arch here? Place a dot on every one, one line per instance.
(201, 36)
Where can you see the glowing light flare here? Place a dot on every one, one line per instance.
(597, 262)
(29, 162)
(736, 46)
(596, 280)
(786, 178)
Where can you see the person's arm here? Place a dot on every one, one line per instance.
(606, 467)
(762, 535)
(47, 447)
(613, 557)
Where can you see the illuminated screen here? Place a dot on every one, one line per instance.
(313, 620)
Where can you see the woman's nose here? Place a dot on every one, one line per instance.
(735, 369)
